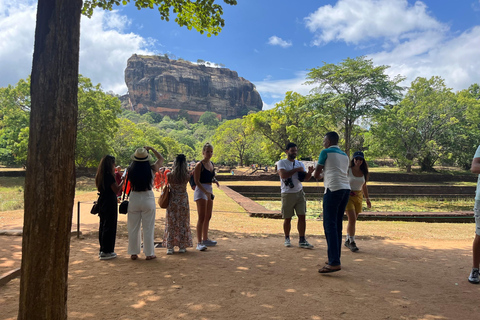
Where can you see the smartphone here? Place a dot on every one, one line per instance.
(212, 196)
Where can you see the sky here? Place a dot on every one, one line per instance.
(272, 43)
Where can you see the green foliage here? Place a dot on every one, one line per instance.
(352, 89)
(233, 142)
(465, 135)
(419, 128)
(97, 123)
(203, 16)
(14, 122)
(295, 119)
(209, 119)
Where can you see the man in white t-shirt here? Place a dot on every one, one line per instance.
(292, 172)
(474, 274)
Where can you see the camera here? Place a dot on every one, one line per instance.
(302, 175)
(289, 182)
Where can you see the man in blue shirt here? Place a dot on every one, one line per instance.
(332, 166)
(474, 274)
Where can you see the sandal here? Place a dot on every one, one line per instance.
(328, 268)
(151, 257)
(133, 257)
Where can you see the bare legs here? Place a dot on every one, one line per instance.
(204, 209)
(301, 226)
(476, 251)
(352, 220)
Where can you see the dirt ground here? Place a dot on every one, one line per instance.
(256, 277)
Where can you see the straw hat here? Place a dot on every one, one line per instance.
(141, 154)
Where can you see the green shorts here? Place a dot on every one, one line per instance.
(293, 203)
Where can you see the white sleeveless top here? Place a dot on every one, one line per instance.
(356, 183)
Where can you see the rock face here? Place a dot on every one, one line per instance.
(166, 86)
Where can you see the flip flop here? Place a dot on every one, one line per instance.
(133, 257)
(151, 257)
(328, 268)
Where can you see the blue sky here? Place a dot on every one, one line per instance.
(272, 43)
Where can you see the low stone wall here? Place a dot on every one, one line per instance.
(273, 192)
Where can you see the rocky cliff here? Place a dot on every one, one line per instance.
(166, 86)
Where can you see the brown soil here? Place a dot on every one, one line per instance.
(256, 277)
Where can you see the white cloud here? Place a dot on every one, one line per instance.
(104, 52)
(476, 5)
(274, 90)
(411, 41)
(353, 21)
(455, 59)
(104, 47)
(17, 25)
(276, 41)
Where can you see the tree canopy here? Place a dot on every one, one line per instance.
(352, 89)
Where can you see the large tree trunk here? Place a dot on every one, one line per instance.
(50, 179)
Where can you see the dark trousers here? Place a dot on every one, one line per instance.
(107, 231)
(334, 203)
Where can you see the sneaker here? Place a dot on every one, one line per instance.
(353, 246)
(287, 242)
(108, 256)
(474, 276)
(209, 243)
(169, 251)
(347, 244)
(182, 250)
(305, 245)
(201, 247)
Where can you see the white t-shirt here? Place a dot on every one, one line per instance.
(477, 193)
(288, 165)
(335, 166)
(356, 183)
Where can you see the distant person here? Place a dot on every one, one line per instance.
(332, 166)
(177, 218)
(107, 203)
(142, 207)
(118, 179)
(474, 274)
(204, 175)
(358, 177)
(292, 173)
(166, 171)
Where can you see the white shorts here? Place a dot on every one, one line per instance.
(476, 212)
(199, 194)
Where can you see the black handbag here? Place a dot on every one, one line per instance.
(192, 181)
(123, 209)
(96, 207)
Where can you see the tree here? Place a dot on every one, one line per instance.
(418, 128)
(295, 119)
(97, 123)
(356, 89)
(50, 179)
(209, 119)
(14, 118)
(232, 141)
(465, 136)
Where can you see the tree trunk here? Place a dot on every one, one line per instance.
(347, 136)
(50, 179)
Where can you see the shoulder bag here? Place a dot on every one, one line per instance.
(164, 197)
